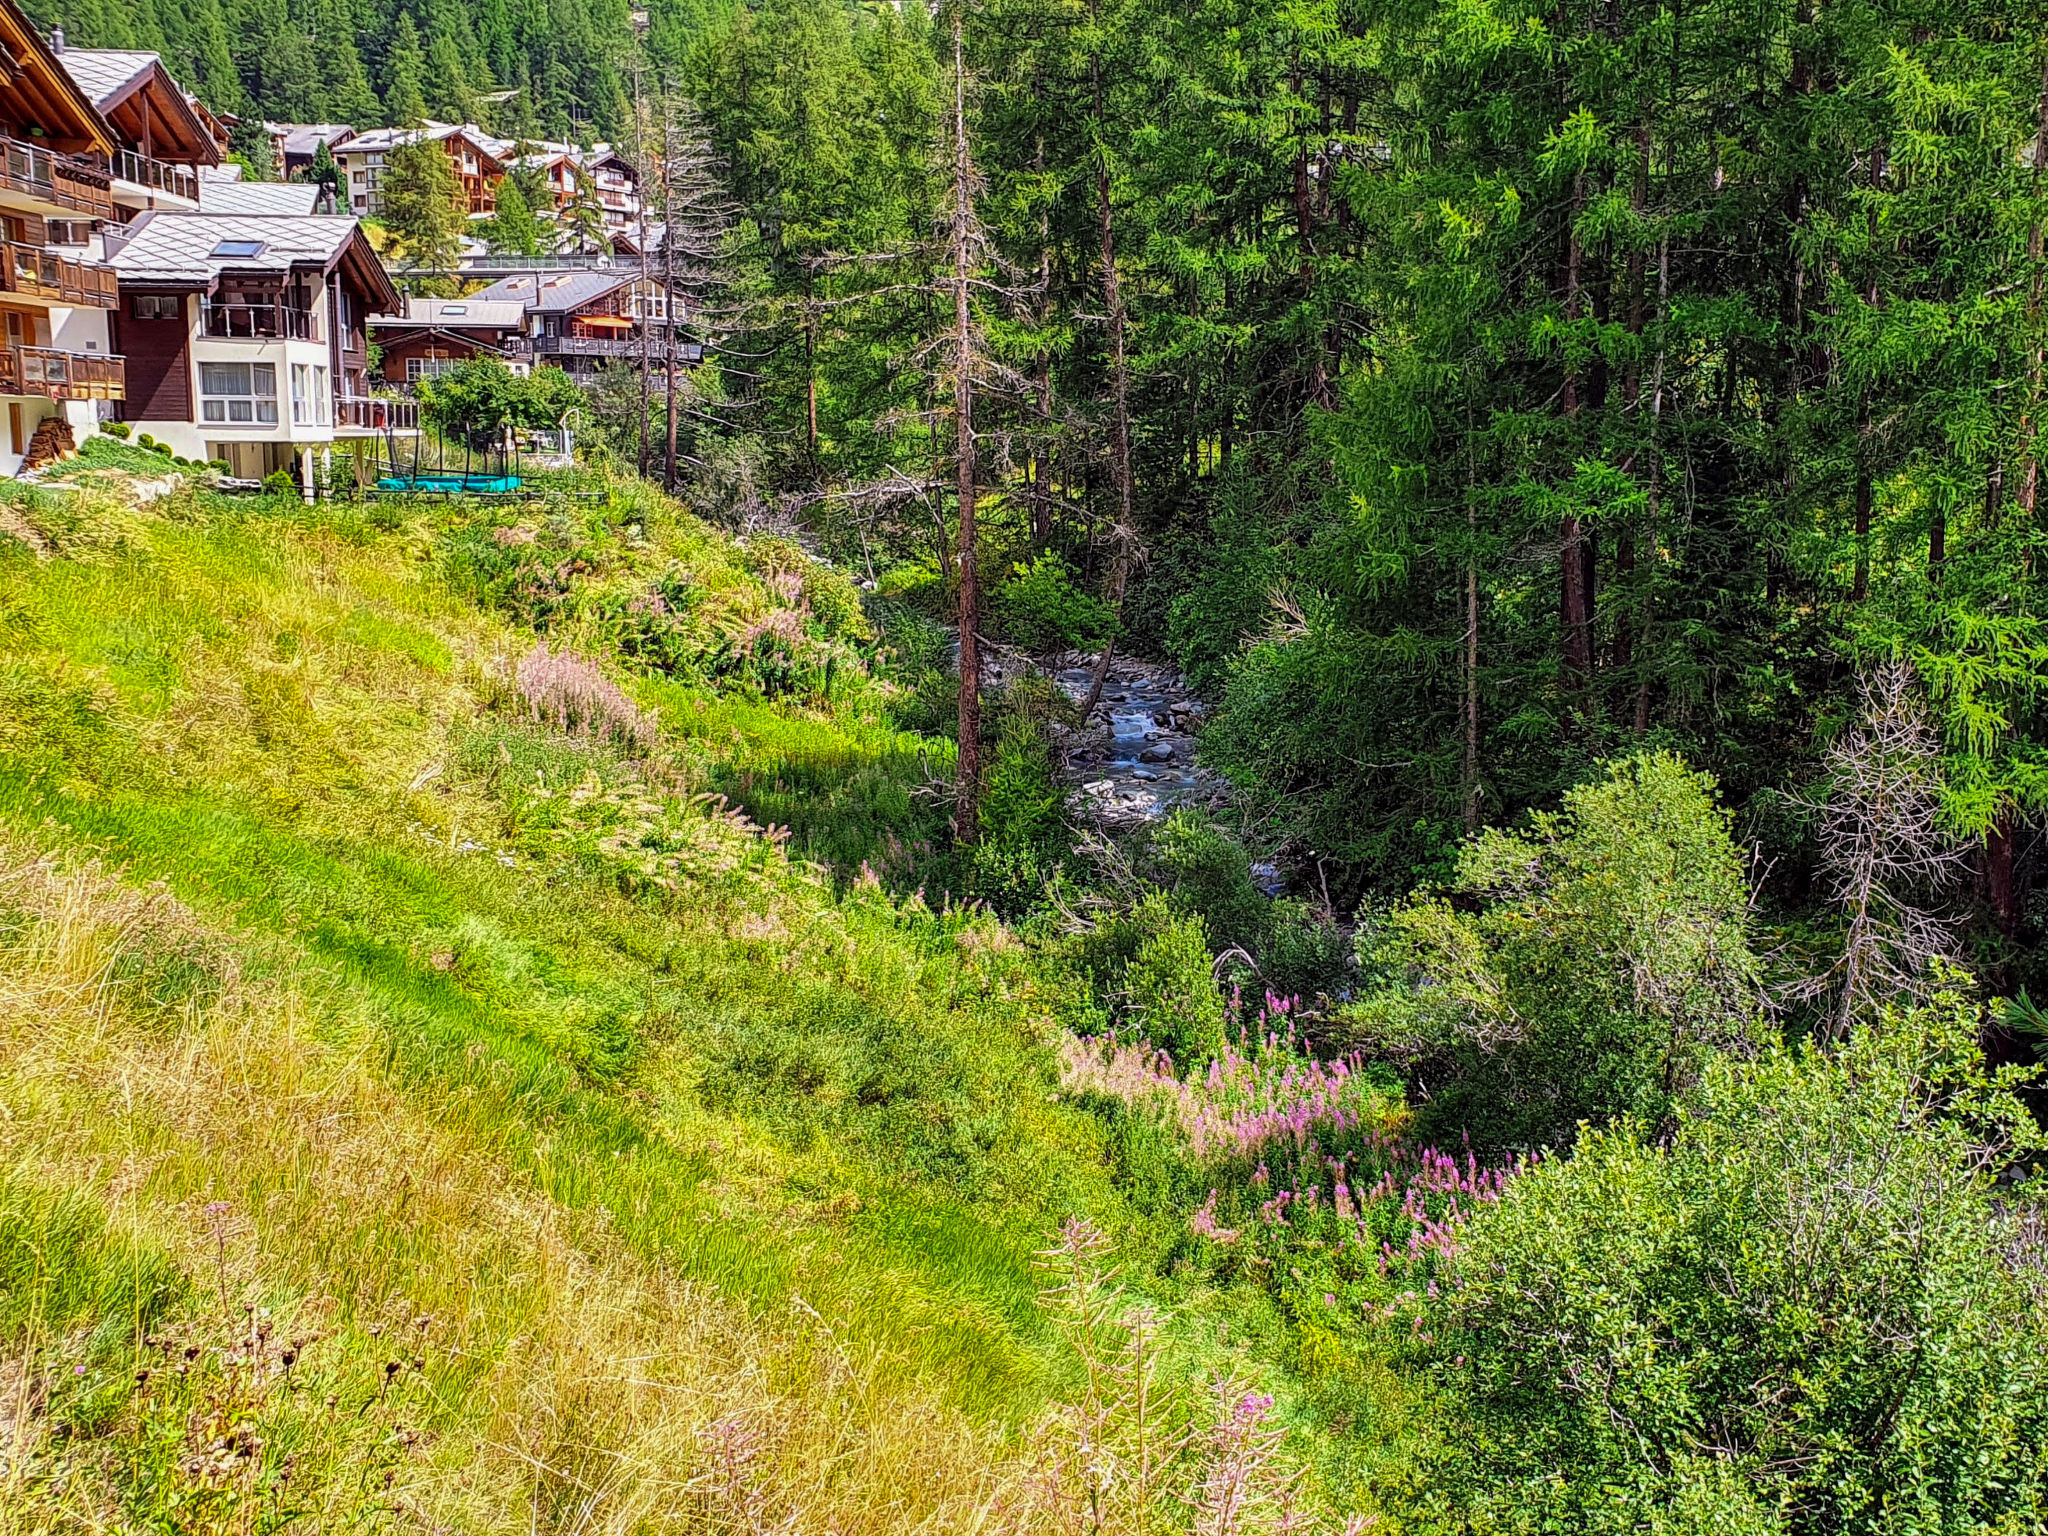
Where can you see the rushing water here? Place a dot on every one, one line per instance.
(1133, 759)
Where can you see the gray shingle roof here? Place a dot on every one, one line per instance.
(304, 138)
(178, 247)
(454, 314)
(263, 197)
(557, 290)
(102, 72)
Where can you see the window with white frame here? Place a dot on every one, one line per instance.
(417, 368)
(239, 394)
(302, 394)
(323, 403)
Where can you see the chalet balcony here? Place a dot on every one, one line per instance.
(611, 346)
(62, 375)
(258, 321)
(30, 272)
(375, 413)
(158, 175)
(56, 182)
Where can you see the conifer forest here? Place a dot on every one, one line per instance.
(1298, 783)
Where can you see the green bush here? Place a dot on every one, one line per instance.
(1043, 608)
(115, 428)
(145, 440)
(1169, 987)
(280, 482)
(1814, 1311)
(1295, 950)
(1584, 970)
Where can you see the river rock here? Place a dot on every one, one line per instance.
(1146, 774)
(1161, 753)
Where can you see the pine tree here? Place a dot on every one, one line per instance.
(513, 228)
(421, 208)
(323, 171)
(405, 66)
(447, 83)
(349, 98)
(580, 226)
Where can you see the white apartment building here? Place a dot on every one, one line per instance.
(245, 336)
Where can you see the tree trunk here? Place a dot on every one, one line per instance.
(1860, 588)
(1576, 606)
(2030, 467)
(1469, 775)
(1999, 885)
(967, 772)
(1124, 539)
(668, 287)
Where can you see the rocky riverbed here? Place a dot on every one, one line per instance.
(1133, 759)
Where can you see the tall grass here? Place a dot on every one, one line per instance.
(337, 992)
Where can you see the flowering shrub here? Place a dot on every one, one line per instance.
(1301, 1157)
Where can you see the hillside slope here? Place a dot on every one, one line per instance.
(382, 989)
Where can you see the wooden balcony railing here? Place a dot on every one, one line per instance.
(35, 273)
(62, 375)
(374, 413)
(259, 322)
(70, 184)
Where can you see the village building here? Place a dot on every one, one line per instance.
(614, 183)
(478, 170)
(247, 336)
(58, 369)
(433, 335)
(580, 320)
(220, 195)
(294, 146)
(163, 138)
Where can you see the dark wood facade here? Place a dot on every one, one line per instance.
(158, 354)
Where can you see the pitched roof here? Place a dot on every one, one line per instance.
(177, 249)
(304, 138)
(177, 127)
(269, 197)
(391, 138)
(456, 314)
(104, 73)
(556, 292)
(41, 91)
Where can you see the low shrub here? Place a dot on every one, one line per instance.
(1043, 607)
(1169, 985)
(115, 428)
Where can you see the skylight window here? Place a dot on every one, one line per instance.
(234, 250)
(454, 309)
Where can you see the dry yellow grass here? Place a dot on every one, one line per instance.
(578, 1388)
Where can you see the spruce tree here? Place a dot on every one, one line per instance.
(420, 206)
(447, 92)
(513, 229)
(404, 67)
(349, 98)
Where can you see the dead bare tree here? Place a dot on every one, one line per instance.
(692, 241)
(1886, 856)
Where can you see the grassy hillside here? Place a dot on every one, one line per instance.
(413, 1062)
